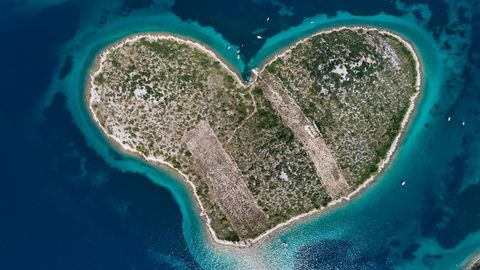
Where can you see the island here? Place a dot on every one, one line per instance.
(474, 263)
(311, 128)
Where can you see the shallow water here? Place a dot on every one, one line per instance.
(68, 195)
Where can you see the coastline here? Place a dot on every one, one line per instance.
(161, 163)
(97, 67)
(472, 261)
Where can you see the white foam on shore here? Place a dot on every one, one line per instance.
(383, 163)
(93, 97)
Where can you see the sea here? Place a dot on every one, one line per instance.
(71, 200)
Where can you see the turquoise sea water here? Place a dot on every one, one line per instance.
(430, 223)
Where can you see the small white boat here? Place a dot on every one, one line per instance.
(238, 51)
(228, 48)
(259, 37)
(403, 183)
(449, 118)
(311, 21)
(463, 123)
(268, 19)
(238, 57)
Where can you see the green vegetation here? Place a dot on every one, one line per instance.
(353, 86)
(359, 85)
(232, 237)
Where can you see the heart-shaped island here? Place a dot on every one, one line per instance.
(319, 120)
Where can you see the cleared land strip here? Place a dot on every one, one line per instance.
(223, 178)
(321, 156)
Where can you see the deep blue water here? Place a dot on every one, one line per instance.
(70, 201)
